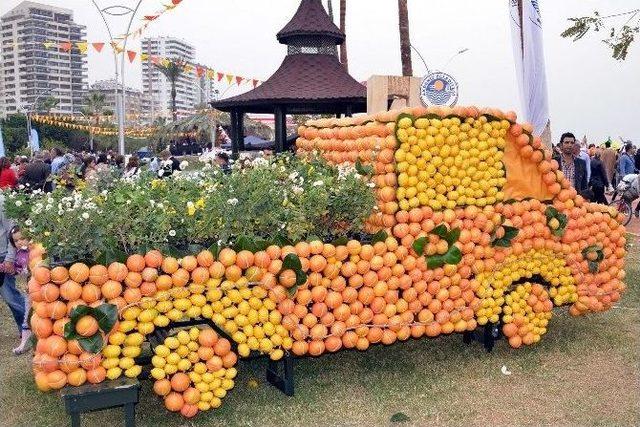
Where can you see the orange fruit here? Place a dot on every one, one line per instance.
(56, 379)
(91, 293)
(174, 401)
(188, 410)
(59, 275)
(205, 258)
(98, 275)
(207, 337)
(189, 263)
(227, 257)
(180, 381)
(136, 263)
(111, 289)
(162, 387)
(71, 290)
(117, 271)
(77, 377)
(87, 326)
(191, 396)
(170, 265)
(153, 259)
(79, 272)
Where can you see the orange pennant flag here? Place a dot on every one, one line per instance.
(132, 55)
(210, 74)
(229, 78)
(199, 71)
(66, 46)
(82, 47)
(150, 17)
(115, 47)
(176, 2)
(239, 80)
(98, 46)
(220, 76)
(154, 59)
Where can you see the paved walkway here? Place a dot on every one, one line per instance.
(634, 227)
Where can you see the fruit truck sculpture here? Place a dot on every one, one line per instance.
(483, 230)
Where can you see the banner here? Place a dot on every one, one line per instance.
(526, 30)
(1, 143)
(34, 140)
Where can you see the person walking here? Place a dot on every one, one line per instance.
(608, 157)
(573, 167)
(598, 181)
(626, 163)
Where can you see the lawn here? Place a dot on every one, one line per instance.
(584, 372)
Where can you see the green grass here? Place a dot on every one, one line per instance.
(584, 372)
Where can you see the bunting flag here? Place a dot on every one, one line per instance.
(197, 69)
(147, 19)
(82, 47)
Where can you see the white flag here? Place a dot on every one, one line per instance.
(526, 29)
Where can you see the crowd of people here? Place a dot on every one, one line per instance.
(595, 171)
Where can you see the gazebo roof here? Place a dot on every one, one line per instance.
(302, 81)
(310, 79)
(310, 20)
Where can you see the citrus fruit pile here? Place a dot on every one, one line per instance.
(193, 370)
(526, 314)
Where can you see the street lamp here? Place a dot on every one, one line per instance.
(30, 108)
(118, 11)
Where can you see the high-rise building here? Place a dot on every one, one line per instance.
(133, 99)
(29, 71)
(156, 87)
(207, 91)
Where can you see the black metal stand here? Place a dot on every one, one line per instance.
(487, 336)
(282, 381)
(95, 397)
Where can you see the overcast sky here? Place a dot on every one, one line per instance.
(589, 92)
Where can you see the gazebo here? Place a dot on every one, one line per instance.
(310, 80)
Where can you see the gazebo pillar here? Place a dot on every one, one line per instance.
(237, 131)
(281, 128)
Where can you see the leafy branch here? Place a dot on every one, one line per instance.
(620, 37)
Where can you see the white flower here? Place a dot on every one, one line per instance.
(183, 165)
(85, 215)
(18, 203)
(161, 172)
(233, 201)
(297, 190)
(160, 206)
(172, 233)
(28, 222)
(371, 184)
(317, 183)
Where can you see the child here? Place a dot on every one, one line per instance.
(16, 301)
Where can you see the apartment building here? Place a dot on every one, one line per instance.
(29, 71)
(156, 88)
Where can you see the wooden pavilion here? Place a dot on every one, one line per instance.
(310, 80)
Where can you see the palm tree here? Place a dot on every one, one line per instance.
(95, 108)
(343, 24)
(172, 71)
(47, 104)
(405, 42)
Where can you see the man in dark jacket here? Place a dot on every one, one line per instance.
(36, 173)
(573, 168)
(598, 181)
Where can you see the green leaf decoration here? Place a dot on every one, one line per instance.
(399, 417)
(419, 244)
(594, 262)
(340, 241)
(92, 344)
(106, 315)
(400, 117)
(214, 249)
(556, 221)
(453, 255)
(362, 169)
(292, 262)
(380, 236)
(243, 243)
(505, 241)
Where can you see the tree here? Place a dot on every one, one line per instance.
(343, 26)
(47, 104)
(172, 71)
(405, 42)
(95, 108)
(620, 36)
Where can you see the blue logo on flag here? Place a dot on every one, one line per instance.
(439, 88)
